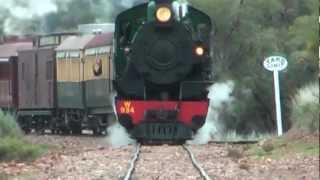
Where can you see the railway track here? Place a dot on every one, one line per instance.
(133, 163)
(201, 171)
(136, 156)
(233, 142)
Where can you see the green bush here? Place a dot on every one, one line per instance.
(306, 108)
(12, 145)
(12, 148)
(8, 126)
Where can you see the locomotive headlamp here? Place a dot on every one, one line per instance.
(163, 14)
(199, 50)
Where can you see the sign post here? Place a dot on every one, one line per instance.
(276, 64)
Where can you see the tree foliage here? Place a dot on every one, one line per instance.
(75, 12)
(247, 31)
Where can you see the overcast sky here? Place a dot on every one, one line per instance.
(33, 7)
(33, 11)
(41, 7)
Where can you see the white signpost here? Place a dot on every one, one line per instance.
(276, 64)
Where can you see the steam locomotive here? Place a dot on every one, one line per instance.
(162, 70)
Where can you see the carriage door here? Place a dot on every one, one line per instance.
(45, 68)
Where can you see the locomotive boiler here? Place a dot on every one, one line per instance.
(162, 70)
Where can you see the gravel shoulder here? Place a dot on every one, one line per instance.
(293, 156)
(71, 158)
(93, 159)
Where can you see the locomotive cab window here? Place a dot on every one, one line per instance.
(125, 34)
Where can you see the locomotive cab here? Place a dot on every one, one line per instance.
(162, 65)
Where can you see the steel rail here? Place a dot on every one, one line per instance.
(202, 172)
(233, 142)
(133, 163)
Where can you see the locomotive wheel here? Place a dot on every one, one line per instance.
(54, 131)
(26, 130)
(40, 125)
(96, 131)
(24, 125)
(76, 131)
(75, 127)
(65, 131)
(40, 131)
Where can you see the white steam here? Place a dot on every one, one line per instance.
(127, 3)
(30, 8)
(219, 95)
(130, 3)
(308, 94)
(118, 136)
(21, 13)
(305, 108)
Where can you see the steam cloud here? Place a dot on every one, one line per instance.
(30, 8)
(220, 96)
(19, 16)
(118, 136)
(34, 16)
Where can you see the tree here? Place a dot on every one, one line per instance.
(246, 31)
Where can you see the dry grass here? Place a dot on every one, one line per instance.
(279, 147)
(306, 108)
(232, 136)
(234, 153)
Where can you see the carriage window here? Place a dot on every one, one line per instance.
(103, 50)
(74, 54)
(61, 55)
(91, 51)
(125, 34)
(49, 70)
(49, 40)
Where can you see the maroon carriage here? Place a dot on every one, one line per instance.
(9, 73)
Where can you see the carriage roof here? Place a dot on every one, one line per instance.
(73, 43)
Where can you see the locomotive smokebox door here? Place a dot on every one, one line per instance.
(162, 56)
